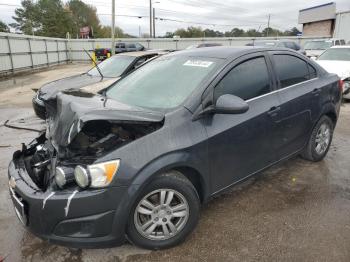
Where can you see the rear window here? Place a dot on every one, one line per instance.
(290, 70)
(336, 54)
(317, 45)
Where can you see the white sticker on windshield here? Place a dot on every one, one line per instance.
(199, 63)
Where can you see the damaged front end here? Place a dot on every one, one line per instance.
(48, 178)
(81, 129)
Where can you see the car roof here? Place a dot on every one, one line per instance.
(142, 53)
(224, 52)
(273, 40)
(341, 46)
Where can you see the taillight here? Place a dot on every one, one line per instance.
(105, 51)
(341, 85)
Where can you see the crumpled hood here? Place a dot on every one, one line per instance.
(95, 83)
(74, 109)
(341, 68)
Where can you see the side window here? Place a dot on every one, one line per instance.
(337, 42)
(140, 62)
(247, 80)
(312, 72)
(131, 46)
(290, 70)
(342, 42)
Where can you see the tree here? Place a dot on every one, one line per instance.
(252, 33)
(85, 15)
(26, 18)
(293, 32)
(236, 32)
(4, 27)
(55, 20)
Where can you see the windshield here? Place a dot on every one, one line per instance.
(339, 54)
(318, 45)
(163, 83)
(113, 67)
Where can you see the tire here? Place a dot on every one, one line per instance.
(312, 151)
(161, 216)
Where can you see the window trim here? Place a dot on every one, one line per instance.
(272, 53)
(241, 61)
(281, 90)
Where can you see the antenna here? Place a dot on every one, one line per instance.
(98, 69)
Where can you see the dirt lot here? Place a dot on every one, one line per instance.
(297, 211)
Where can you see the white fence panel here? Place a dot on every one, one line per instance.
(22, 61)
(39, 59)
(19, 52)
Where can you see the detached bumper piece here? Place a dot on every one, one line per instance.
(81, 219)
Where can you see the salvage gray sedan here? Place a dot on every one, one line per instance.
(138, 161)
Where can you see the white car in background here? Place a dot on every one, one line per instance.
(337, 60)
(314, 48)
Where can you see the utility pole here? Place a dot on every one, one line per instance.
(113, 28)
(154, 22)
(268, 25)
(150, 18)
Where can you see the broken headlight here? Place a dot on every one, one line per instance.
(63, 176)
(97, 175)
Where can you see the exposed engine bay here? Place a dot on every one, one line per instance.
(101, 136)
(96, 138)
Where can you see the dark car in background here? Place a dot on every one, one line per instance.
(137, 161)
(120, 47)
(112, 69)
(279, 43)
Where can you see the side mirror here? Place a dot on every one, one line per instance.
(225, 104)
(230, 104)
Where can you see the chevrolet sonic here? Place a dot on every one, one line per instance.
(137, 161)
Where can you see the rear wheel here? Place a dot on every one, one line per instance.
(165, 213)
(320, 140)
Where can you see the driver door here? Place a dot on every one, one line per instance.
(241, 144)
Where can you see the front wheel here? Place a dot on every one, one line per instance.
(165, 213)
(320, 140)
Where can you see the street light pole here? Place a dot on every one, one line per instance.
(268, 25)
(154, 22)
(113, 28)
(150, 18)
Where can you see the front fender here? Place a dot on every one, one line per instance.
(148, 173)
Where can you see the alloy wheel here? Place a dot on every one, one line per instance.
(323, 138)
(161, 214)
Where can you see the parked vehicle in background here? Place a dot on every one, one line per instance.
(203, 45)
(337, 60)
(112, 69)
(102, 54)
(128, 47)
(314, 48)
(120, 47)
(279, 43)
(139, 159)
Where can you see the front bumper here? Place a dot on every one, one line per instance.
(80, 219)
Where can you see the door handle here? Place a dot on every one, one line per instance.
(274, 111)
(316, 91)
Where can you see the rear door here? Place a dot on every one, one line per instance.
(240, 145)
(299, 101)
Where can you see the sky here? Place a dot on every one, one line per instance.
(212, 14)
